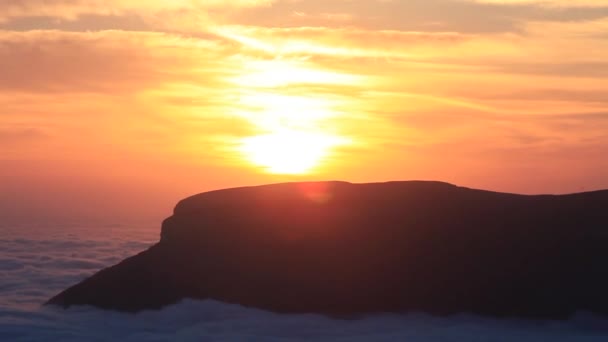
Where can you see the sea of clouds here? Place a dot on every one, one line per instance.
(39, 260)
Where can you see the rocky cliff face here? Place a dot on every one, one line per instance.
(342, 249)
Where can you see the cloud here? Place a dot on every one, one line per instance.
(215, 321)
(47, 254)
(469, 16)
(346, 42)
(466, 16)
(17, 135)
(549, 3)
(104, 61)
(73, 9)
(186, 97)
(100, 90)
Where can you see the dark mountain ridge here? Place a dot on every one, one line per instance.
(341, 249)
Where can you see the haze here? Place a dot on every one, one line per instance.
(115, 110)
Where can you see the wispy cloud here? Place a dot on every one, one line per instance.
(549, 3)
(104, 61)
(73, 9)
(405, 81)
(17, 135)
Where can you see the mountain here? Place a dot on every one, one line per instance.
(347, 249)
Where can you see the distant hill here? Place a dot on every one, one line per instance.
(342, 249)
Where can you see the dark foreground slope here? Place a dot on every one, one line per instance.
(340, 248)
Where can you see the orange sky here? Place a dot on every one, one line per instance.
(119, 108)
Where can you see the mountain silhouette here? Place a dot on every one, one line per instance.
(347, 249)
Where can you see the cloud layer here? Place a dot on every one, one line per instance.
(39, 260)
(503, 93)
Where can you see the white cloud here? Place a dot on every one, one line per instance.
(37, 261)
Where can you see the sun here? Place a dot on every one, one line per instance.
(296, 133)
(288, 152)
(297, 126)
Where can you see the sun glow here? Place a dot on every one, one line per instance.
(288, 152)
(297, 132)
(281, 73)
(295, 136)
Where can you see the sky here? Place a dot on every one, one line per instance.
(116, 109)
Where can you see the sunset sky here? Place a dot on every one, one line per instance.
(119, 108)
